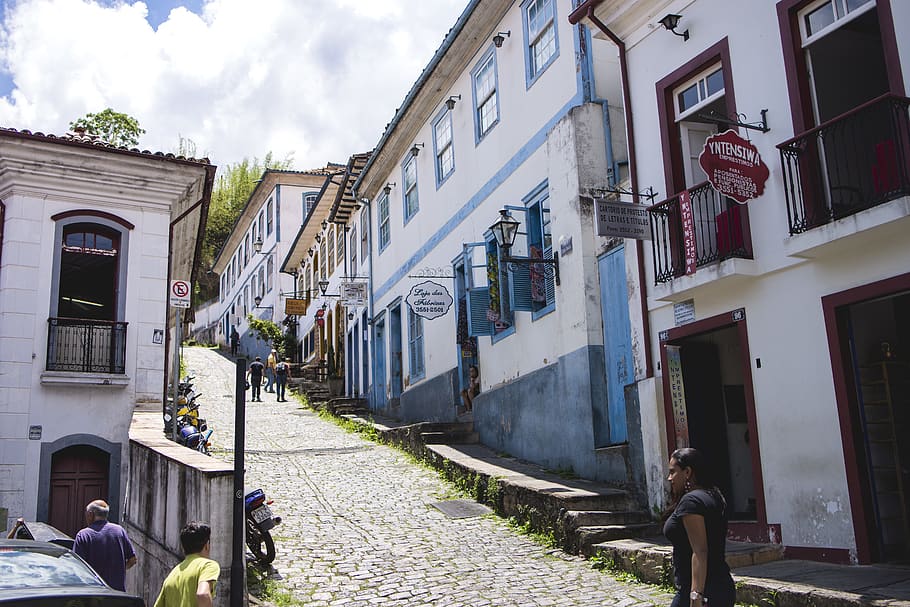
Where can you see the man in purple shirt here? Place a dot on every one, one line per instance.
(105, 546)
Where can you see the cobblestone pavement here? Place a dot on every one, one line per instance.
(358, 528)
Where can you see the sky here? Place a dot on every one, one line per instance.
(316, 80)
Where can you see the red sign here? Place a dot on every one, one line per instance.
(733, 166)
(688, 229)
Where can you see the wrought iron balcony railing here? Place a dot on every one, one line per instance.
(86, 346)
(720, 230)
(854, 162)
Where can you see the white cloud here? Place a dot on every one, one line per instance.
(317, 78)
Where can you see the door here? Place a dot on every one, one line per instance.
(79, 475)
(379, 373)
(395, 370)
(467, 354)
(610, 417)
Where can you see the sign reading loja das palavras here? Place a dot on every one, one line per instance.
(733, 166)
(429, 299)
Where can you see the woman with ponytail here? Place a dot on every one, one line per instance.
(696, 524)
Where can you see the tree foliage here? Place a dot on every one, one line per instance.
(232, 189)
(113, 127)
(267, 331)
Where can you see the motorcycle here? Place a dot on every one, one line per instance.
(194, 438)
(259, 521)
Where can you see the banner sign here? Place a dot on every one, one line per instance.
(295, 307)
(688, 230)
(429, 300)
(733, 166)
(677, 397)
(622, 220)
(353, 294)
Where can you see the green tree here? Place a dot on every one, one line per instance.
(268, 332)
(113, 127)
(230, 194)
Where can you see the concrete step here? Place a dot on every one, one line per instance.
(586, 539)
(450, 438)
(573, 519)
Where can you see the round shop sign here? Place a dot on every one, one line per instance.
(733, 166)
(429, 300)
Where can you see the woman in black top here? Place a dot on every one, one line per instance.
(697, 527)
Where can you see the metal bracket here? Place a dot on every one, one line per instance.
(649, 194)
(714, 116)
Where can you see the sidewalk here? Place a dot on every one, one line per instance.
(519, 488)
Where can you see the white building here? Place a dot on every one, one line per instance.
(91, 234)
(513, 112)
(781, 326)
(249, 261)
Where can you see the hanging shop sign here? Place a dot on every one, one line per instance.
(677, 397)
(687, 218)
(295, 307)
(622, 220)
(429, 300)
(353, 294)
(733, 166)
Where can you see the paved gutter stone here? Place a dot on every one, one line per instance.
(359, 530)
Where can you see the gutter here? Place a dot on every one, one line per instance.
(586, 10)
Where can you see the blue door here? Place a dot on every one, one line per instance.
(610, 417)
(379, 391)
(395, 370)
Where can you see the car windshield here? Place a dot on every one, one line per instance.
(21, 568)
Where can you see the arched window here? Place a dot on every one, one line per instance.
(88, 272)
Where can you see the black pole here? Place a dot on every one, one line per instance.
(237, 553)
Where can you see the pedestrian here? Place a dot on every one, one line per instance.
(270, 364)
(235, 341)
(105, 546)
(696, 525)
(473, 389)
(192, 582)
(282, 373)
(254, 376)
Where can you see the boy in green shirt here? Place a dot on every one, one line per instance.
(192, 582)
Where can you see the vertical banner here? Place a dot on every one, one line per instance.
(677, 396)
(688, 230)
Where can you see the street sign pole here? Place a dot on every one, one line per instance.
(175, 377)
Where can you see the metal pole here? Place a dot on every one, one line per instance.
(239, 526)
(175, 378)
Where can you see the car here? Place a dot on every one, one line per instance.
(42, 574)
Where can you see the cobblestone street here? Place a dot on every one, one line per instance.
(359, 528)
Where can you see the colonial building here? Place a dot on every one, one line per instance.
(777, 136)
(91, 235)
(512, 120)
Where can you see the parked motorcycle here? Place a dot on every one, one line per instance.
(192, 437)
(259, 521)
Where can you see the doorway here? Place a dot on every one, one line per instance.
(79, 475)
(395, 370)
(379, 374)
(709, 406)
(873, 338)
(610, 426)
(467, 355)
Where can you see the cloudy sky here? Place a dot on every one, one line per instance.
(318, 79)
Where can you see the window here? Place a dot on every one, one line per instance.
(253, 285)
(309, 201)
(330, 247)
(261, 225)
(820, 16)
(382, 217)
(232, 273)
(354, 251)
(261, 281)
(323, 257)
(339, 245)
(415, 346)
(364, 233)
(409, 178)
(223, 286)
(488, 303)
(542, 291)
(269, 217)
(486, 101)
(694, 99)
(442, 145)
(269, 272)
(246, 300)
(245, 247)
(255, 232)
(539, 17)
(89, 264)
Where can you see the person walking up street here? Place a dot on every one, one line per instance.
(192, 582)
(254, 376)
(282, 373)
(235, 341)
(105, 546)
(270, 364)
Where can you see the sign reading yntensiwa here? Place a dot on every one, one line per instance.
(429, 299)
(734, 166)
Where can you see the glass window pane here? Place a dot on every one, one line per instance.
(820, 18)
(715, 82)
(76, 239)
(852, 5)
(688, 98)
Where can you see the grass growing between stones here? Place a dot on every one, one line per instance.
(268, 590)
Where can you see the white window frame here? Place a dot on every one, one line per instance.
(539, 38)
(485, 71)
(383, 221)
(410, 199)
(416, 351)
(443, 146)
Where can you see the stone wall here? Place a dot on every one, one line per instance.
(167, 486)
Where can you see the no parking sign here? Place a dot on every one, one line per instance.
(180, 294)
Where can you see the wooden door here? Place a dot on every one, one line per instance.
(79, 475)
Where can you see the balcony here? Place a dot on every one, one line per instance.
(719, 231)
(86, 346)
(852, 163)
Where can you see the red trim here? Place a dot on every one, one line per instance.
(698, 327)
(754, 532)
(93, 213)
(834, 309)
(2, 225)
(795, 59)
(838, 556)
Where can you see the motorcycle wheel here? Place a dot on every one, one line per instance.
(255, 539)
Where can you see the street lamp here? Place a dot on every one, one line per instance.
(505, 230)
(258, 300)
(257, 245)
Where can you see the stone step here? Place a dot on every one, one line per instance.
(587, 538)
(573, 519)
(450, 438)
